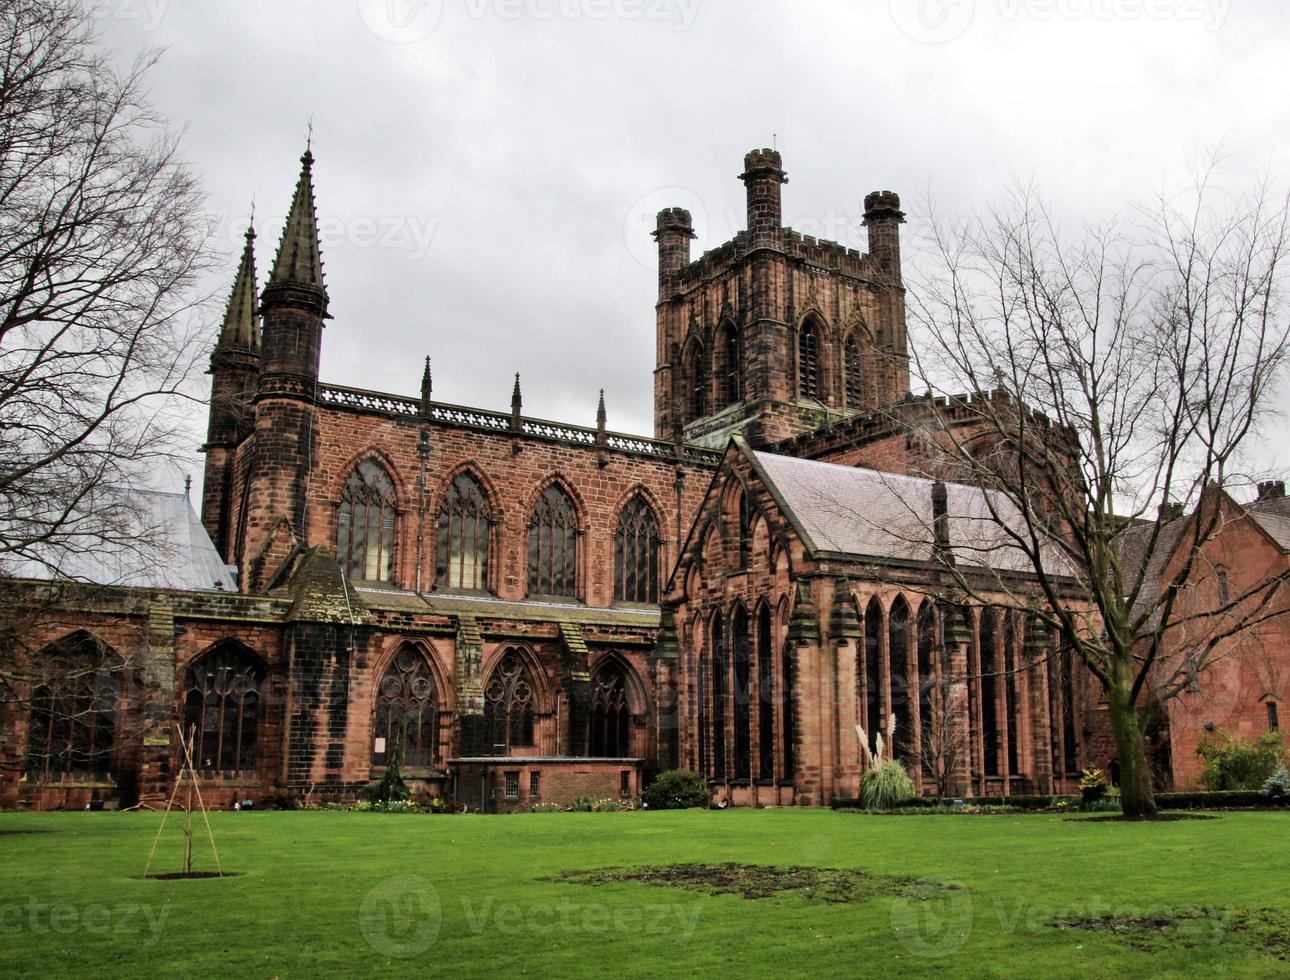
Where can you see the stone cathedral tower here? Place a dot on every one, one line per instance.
(775, 333)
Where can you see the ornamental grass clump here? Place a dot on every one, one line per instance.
(885, 784)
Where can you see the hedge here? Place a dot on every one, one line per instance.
(1197, 800)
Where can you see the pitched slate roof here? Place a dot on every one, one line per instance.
(1273, 515)
(867, 513)
(170, 550)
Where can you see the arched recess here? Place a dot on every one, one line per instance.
(727, 366)
(514, 695)
(898, 630)
(927, 659)
(223, 707)
(990, 690)
(693, 380)
(409, 701)
(366, 523)
(466, 523)
(618, 701)
(812, 333)
(736, 516)
(76, 710)
(637, 542)
(555, 525)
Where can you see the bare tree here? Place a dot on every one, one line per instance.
(1115, 377)
(101, 237)
(101, 234)
(944, 743)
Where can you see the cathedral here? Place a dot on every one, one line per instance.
(532, 612)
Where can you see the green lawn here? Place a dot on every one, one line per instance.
(352, 893)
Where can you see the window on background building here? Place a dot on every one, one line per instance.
(636, 554)
(692, 379)
(512, 785)
(808, 361)
(1273, 722)
(1224, 590)
(535, 785)
(853, 365)
(365, 528)
(624, 783)
(553, 545)
(71, 730)
(222, 708)
(508, 705)
(729, 379)
(464, 527)
(405, 700)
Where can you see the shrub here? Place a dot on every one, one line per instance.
(677, 789)
(1202, 800)
(1092, 785)
(282, 798)
(391, 788)
(885, 786)
(1275, 787)
(1235, 763)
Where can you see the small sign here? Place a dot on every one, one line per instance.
(380, 746)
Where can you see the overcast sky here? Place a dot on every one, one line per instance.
(488, 170)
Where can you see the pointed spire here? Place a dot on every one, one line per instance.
(425, 389)
(299, 259)
(601, 418)
(516, 405)
(241, 329)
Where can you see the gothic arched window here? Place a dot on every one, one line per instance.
(898, 623)
(72, 726)
(464, 525)
(720, 666)
(808, 361)
(222, 707)
(405, 698)
(553, 545)
(766, 690)
(508, 705)
(871, 712)
(365, 530)
(729, 367)
(636, 554)
(742, 656)
(610, 715)
(851, 355)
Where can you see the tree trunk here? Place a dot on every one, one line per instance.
(1137, 798)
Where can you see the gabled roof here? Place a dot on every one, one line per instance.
(1273, 515)
(168, 548)
(866, 513)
